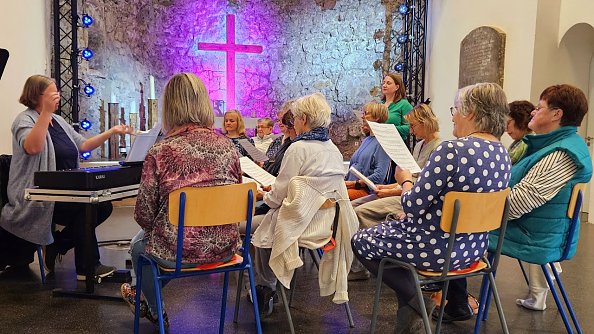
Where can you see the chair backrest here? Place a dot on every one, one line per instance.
(477, 212)
(4, 171)
(573, 213)
(211, 206)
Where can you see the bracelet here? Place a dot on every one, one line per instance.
(407, 181)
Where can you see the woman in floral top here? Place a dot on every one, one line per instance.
(191, 155)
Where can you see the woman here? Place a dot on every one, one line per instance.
(394, 97)
(517, 128)
(424, 126)
(234, 129)
(312, 155)
(191, 155)
(279, 146)
(479, 119)
(44, 141)
(369, 159)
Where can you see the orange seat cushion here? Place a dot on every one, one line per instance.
(236, 259)
(478, 265)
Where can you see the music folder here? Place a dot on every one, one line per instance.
(3, 60)
(140, 146)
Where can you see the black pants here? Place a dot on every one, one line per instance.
(14, 250)
(72, 216)
(402, 282)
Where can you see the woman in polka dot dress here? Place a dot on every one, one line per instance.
(475, 162)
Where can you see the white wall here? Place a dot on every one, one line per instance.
(25, 31)
(451, 20)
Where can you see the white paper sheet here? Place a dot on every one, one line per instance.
(142, 143)
(256, 172)
(255, 153)
(363, 178)
(394, 146)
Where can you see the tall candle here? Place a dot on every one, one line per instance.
(152, 87)
(113, 98)
(133, 106)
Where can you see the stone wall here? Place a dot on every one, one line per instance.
(308, 46)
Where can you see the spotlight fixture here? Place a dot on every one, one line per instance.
(86, 20)
(86, 124)
(86, 155)
(89, 90)
(87, 54)
(402, 38)
(399, 67)
(403, 9)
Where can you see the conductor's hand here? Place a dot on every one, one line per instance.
(49, 101)
(121, 129)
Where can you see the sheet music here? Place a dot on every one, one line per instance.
(394, 146)
(255, 153)
(142, 143)
(256, 172)
(363, 178)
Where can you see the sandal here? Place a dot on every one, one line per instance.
(129, 295)
(155, 319)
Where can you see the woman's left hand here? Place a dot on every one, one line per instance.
(402, 175)
(122, 129)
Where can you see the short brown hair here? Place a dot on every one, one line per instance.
(568, 98)
(240, 122)
(423, 114)
(377, 110)
(186, 101)
(401, 91)
(267, 121)
(34, 87)
(520, 112)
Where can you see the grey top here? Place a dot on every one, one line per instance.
(31, 220)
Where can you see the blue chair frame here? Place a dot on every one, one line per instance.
(573, 225)
(159, 276)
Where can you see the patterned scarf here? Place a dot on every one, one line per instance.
(320, 134)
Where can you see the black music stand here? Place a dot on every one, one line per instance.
(3, 60)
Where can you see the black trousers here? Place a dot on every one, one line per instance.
(14, 250)
(72, 216)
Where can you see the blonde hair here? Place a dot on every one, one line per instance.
(185, 101)
(377, 110)
(423, 114)
(315, 108)
(33, 88)
(240, 123)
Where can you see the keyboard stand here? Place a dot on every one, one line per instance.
(90, 199)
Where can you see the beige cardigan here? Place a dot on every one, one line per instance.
(303, 224)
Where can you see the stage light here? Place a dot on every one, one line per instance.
(399, 67)
(87, 20)
(86, 124)
(87, 54)
(402, 38)
(89, 90)
(86, 155)
(403, 9)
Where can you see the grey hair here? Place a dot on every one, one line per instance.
(488, 103)
(315, 108)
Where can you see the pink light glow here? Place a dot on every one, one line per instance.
(230, 48)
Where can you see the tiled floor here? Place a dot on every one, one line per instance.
(193, 304)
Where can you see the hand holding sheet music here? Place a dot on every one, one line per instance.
(256, 172)
(255, 153)
(363, 178)
(394, 146)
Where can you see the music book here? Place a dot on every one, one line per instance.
(363, 178)
(256, 172)
(143, 141)
(254, 152)
(394, 146)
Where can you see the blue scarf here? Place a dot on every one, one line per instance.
(320, 134)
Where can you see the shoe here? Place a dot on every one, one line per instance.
(265, 296)
(154, 319)
(362, 275)
(450, 314)
(50, 253)
(536, 300)
(100, 272)
(431, 287)
(129, 295)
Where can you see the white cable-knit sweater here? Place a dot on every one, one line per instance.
(302, 224)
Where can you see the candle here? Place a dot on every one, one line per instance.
(152, 87)
(133, 106)
(113, 98)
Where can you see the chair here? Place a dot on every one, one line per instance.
(5, 160)
(573, 213)
(206, 206)
(462, 212)
(315, 255)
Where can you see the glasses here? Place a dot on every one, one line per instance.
(538, 108)
(453, 110)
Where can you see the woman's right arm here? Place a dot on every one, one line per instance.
(35, 140)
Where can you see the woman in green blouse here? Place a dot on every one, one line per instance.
(517, 128)
(394, 97)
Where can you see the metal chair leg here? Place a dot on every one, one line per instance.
(557, 300)
(349, 315)
(524, 272)
(564, 294)
(254, 299)
(41, 267)
(224, 303)
(286, 304)
(444, 294)
(485, 288)
(238, 295)
(498, 304)
(378, 288)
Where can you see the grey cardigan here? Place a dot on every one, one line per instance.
(30, 220)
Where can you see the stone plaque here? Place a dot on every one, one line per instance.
(482, 54)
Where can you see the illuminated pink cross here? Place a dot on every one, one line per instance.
(230, 48)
